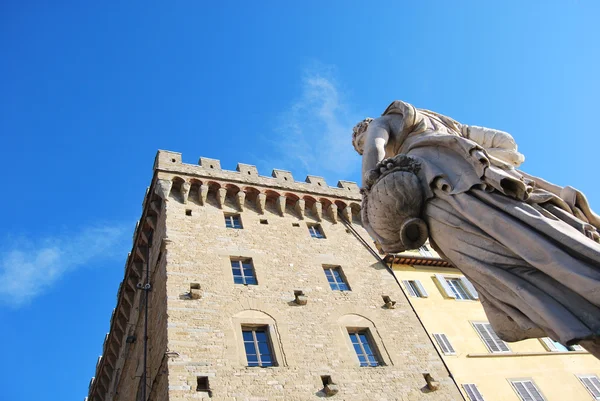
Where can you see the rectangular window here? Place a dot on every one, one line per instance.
(490, 338)
(315, 231)
(233, 221)
(473, 392)
(415, 288)
(444, 344)
(552, 345)
(424, 251)
(258, 346)
(336, 278)
(364, 348)
(592, 383)
(243, 271)
(527, 390)
(457, 287)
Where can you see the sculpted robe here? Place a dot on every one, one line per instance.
(529, 247)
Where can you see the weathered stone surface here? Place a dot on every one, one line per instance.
(503, 228)
(201, 336)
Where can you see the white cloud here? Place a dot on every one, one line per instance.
(28, 268)
(314, 135)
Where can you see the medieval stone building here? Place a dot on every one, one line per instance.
(245, 287)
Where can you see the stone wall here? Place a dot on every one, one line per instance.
(196, 311)
(309, 341)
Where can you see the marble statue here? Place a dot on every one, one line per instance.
(530, 248)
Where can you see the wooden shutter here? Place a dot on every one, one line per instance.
(445, 287)
(469, 287)
(444, 343)
(490, 338)
(527, 390)
(592, 383)
(409, 289)
(421, 289)
(473, 392)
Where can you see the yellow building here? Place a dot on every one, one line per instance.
(485, 367)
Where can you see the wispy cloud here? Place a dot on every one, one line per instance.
(313, 135)
(30, 267)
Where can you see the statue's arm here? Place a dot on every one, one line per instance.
(498, 144)
(377, 137)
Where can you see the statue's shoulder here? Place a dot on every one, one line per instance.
(399, 107)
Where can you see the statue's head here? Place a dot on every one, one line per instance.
(358, 134)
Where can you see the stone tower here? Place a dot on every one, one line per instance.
(245, 287)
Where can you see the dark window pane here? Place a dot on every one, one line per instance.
(266, 360)
(253, 363)
(357, 348)
(247, 334)
(261, 336)
(354, 338)
(246, 265)
(362, 360)
(238, 280)
(343, 287)
(249, 346)
(373, 361)
(251, 280)
(263, 348)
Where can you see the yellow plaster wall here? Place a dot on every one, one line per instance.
(553, 373)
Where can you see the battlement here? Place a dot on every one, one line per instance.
(246, 174)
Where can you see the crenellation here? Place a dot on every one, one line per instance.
(318, 181)
(202, 337)
(280, 179)
(211, 164)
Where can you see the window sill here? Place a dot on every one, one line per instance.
(513, 354)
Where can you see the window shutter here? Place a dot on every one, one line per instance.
(473, 392)
(527, 390)
(490, 338)
(444, 343)
(470, 288)
(421, 289)
(409, 289)
(549, 344)
(592, 383)
(533, 391)
(446, 289)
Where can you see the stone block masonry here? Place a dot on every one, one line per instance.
(289, 236)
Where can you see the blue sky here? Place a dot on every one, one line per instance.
(90, 90)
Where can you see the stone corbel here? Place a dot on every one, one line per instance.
(332, 211)
(281, 205)
(317, 210)
(163, 188)
(300, 203)
(203, 194)
(185, 191)
(241, 197)
(300, 298)
(261, 202)
(221, 194)
(347, 213)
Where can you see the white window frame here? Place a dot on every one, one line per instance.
(486, 329)
(594, 382)
(444, 344)
(424, 251)
(465, 285)
(555, 346)
(230, 218)
(473, 392)
(417, 290)
(537, 396)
